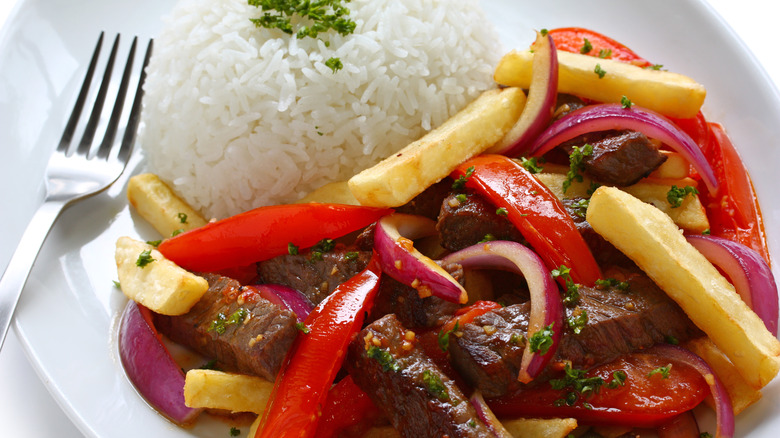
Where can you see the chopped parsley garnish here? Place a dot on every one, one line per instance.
(706, 232)
(435, 385)
(154, 243)
(576, 158)
(210, 365)
(541, 341)
(580, 207)
(501, 211)
(663, 371)
(586, 46)
(676, 195)
(593, 187)
(544, 32)
(302, 328)
(618, 379)
(626, 102)
(460, 183)
(177, 232)
(611, 282)
(321, 247)
(599, 71)
(671, 340)
(292, 249)
(312, 17)
(604, 54)
(578, 320)
(351, 255)
(117, 285)
(532, 164)
(462, 197)
(234, 431)
(444, 337)
(182, 217)
(572, 294)
(488, 238)
(334, 64)
(144, 258)
(220, 324)
(705, 435)
(577, 383)
(655, 67)
(384, 358)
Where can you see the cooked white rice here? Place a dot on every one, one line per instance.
(237, 117)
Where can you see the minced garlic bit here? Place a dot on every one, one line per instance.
(489, 329)
(406, 244)
(409, 335)
(335, 270)
(398, 264)
(376, 341)
(453, 202)
(255, 340)
(424, 291)
(406, 346)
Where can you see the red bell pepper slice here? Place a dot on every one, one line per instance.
(346, 407)
(263, 233)
(302, 385)
(536, 212)
(647, 399)
(572, 39)
(465, 315)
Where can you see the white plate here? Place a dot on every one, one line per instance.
(66, 318)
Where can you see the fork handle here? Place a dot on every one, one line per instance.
(15, 276)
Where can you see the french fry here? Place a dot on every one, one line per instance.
(402, 176)
(675, 167)
(160, 206)
(740, 392)
(335, 192)
(540, 428)
(228, 391)
(650, 238)
(689, 216)
(668, 93)
(160, 285)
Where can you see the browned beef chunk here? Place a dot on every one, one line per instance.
(315, 276)
(566, 103)
(405, 302)
(241, 330)
(386, 361)
(619, 158)
(428, 203)
(618, 322)
(604, 252)
(465, 222)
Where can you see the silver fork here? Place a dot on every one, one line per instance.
(75, 175)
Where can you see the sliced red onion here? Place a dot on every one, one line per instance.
(487, 416)
(539, 107)
(150, 366)
(609, 116)
(399, 259)
(748, 271)
(723, 407)
(287, 297)
(546, 304)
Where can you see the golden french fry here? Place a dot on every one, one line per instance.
(740, 392)
(402, 176)
(689, 216)
(650, 238)
(335, 192)
(228, 391)
(668, 93)
(160, 284)
(160, 206)
(540, 428)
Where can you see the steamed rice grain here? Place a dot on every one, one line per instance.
(237, 117)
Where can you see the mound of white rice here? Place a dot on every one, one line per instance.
(237, 117)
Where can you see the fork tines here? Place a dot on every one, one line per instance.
(112, 126)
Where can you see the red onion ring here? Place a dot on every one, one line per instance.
(150, 366)
(286, 297)
(540, 106)
(546, 304)
(609, 116)
(723, 407)
(399, 259)
(487, 416)
(748, 271)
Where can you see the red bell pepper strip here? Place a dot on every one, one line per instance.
(302, 385)
(263, 233)
(647, 398)
(347, 406)
(465, 315)
(572, 39)
(535, 211)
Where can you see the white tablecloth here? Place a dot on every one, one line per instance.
(27, 409)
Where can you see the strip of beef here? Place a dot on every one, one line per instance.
(465, 221)
(428, 203)
(386, 361)
(238, 328)
(488, 351)
(604, 252)
(315, 275)
(619, 158)
(407, 305)
(566, 103)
